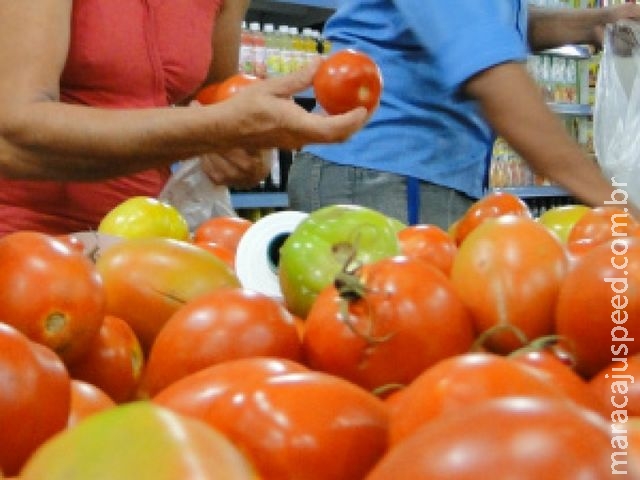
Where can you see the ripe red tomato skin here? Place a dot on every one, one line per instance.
(430, 243)
(437, 391)
(50, 292)
(147, 280)
(491, 205)
(221, 91)
(508, 271)
(225, 231)
(409, 309)
(563, 376)
(346, 80)
(34, 397)
(224, 325)
(86, 399)
(114, 361)
(585, 299)
(265, 414)
(493, 440)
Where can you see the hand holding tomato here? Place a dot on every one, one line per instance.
(220, 91)
(346, 80)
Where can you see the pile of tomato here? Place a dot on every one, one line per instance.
(502, 348)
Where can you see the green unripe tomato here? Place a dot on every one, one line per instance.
(326, 242)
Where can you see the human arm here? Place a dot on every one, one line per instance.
(511, 101)
(553, 27)
(42, 138)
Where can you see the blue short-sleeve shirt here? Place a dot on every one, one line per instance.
(426, 50)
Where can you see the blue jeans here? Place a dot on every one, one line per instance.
(314, 183)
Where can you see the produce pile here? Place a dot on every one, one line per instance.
(502, 348)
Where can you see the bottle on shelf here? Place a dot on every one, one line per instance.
(259, 50)
(285, 50)
(272, 52)
(245, 63)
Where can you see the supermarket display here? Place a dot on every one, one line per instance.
(340, 344)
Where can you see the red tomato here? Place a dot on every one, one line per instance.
(307, 425)
(114, 360)
(223, 253)
(86, 399)
(524, 438)
(407, 318)
(492, 205)
(598, 307)
(563, 376)
(225, 89)
(223, 325)
(224, 231)
(34, 397)
(508, 272)
(601, 224)
(429, 243)
(50, 292)
(456, 383)
(617, 384)
(346, 80)
(147, 280)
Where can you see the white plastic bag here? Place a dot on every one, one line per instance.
(191, 191)
(616, 119)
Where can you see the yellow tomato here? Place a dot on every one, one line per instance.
(561, 219)
(145, 217)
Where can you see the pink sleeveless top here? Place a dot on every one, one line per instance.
(124, 53)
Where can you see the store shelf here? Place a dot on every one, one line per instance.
(573, 109)
(259, 200)
(581, 52)
(535, 191)
(300, 13)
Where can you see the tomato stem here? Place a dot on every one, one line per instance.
(496, 329)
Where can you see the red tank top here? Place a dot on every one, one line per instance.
(124, 53)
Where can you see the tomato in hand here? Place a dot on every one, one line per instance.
(220, 91)
(346, 80)
(35, 396)
(51, 292)
(224, 325)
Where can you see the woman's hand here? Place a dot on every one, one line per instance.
(237, 167)
(264, 115)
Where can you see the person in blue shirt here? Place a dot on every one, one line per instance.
(455, 76)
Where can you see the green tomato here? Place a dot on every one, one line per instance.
(138, 440)
(329, 240)
(561, 219)
(145, 217)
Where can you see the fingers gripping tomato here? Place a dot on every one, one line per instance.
(346, 80)
(220, 91)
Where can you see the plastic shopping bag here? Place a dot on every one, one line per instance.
(197, 198)
(616, 120)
